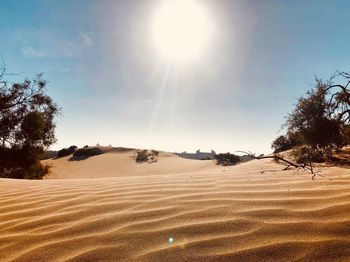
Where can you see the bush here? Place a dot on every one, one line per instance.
(154, 152)
(29, 157)
(306, 154)
(346, 134)
(227, 159)
(66, 151)
(87, 152)
(143, 155)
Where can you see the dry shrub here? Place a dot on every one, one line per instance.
(143, 155)
(227, 159)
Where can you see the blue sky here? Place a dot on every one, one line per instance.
(104, 73)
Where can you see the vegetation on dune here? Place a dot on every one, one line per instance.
(86, 152)
(318, 127)
(226, 159)
(143, 155)
(26, 127)
(320, 122)
(283, 143)
(66, 151)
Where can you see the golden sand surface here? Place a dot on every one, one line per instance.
(109, 208)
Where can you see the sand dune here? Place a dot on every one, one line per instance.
(122, 163)
(213, 213)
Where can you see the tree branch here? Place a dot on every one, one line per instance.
(289, 163)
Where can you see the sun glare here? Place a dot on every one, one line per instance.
(181, 29)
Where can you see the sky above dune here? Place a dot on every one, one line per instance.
(115, 88)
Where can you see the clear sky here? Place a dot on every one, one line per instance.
(114, 87)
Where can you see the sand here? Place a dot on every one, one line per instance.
(116, 163)
(213, 213)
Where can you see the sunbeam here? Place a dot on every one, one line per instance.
(159, 98)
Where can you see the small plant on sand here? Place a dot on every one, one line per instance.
(227, 159)
(143, 155)
(154, 152)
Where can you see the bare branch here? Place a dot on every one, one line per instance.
(289, 163)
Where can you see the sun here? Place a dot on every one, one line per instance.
(181, 29)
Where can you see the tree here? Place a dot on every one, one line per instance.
(319, 124)
(26, 127)
(311, 121)
(283, 143)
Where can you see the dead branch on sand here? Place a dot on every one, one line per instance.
(303, 166)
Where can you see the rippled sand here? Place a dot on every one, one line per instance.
(213, 213)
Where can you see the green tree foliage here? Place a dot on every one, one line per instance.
(26, 127)
(311, 121)
(319, 123)
(283, 143)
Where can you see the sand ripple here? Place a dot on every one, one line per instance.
(234, 215)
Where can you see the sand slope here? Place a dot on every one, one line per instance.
(122, 163)
(225, 214)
